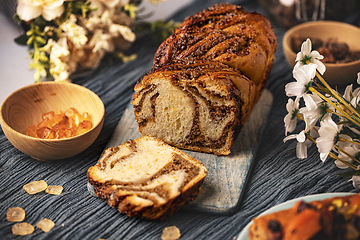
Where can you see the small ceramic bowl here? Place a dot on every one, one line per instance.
(336, 74)
(24, 108)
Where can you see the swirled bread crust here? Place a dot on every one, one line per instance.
(225, 33)
(206, 79)
(331, 219)
(146, 178)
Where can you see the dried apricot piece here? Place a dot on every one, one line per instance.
(22, 229)
(15, 214)
(45, 224)
(35, 187)
(54, 189)
(171, 233)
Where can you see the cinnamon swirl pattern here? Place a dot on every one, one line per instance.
(146, 178)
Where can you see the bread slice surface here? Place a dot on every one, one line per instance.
(146, 177)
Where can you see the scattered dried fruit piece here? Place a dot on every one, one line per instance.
(35, 187)
(22, 229)
(54, 189)
(45, 224)
(15, 214)
(171, 233)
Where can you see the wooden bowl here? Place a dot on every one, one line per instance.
(24, 108)
(336, 74)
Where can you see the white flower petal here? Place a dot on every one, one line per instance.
(301, 137)
(341, 165)
(309, 102)
(301, 151)
(347, 92)
(28, 12)
(324, 144)
(290, 124)
(52, 12)
(323, 156)
(294, 89)
(306, 47)
(293, 136)
(320, 66)
(358, 78)
(315, 54)
(356, 181)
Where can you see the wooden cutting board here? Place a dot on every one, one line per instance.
(227, 175)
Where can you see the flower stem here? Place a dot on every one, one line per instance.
(312, 89)
(344, 162)
(350, 141)
(347, 154)
(348, 106)
(333, 155)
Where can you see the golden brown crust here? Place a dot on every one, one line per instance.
(225, 33)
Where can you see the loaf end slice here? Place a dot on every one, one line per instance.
(194, 106)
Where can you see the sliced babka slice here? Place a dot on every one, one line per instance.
(194, 106)
(146, 178)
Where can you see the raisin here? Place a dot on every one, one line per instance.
(303, 205)
(274, 226)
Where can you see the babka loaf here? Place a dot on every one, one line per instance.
(146, 178)
(206, 79)
(336, 218)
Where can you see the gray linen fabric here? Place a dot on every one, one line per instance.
(277, 175)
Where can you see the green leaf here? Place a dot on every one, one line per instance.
(21, 40)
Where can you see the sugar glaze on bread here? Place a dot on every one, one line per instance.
(146, 178)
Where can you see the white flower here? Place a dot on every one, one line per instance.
(59, 58)
(290, 119)
(310, 117)
(313, 115)
(350, 151)
(75, 33)
(352, 96)
(356, 180)
(358, 78)
(306, 56)
(48, 9)
(328, 132)
(302, 145)
(303, 76)
(101, 42)
(113, 3)
(124, 31)
(96, 4)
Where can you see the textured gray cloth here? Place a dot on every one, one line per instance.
(277, 175)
